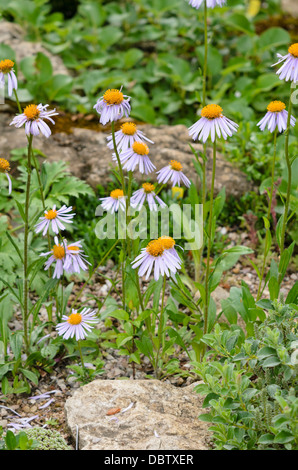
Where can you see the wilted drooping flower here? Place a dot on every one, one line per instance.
(126, 136)
(210, 3)
(114, 201)
(276, 117)
(33, 118)
(135, 156)
(77, 324)
(146, 193)
(5, 168)
(112, 106)
(6, 68)
(211, 123)
(75, 259)
(54, 218)
(173, 173)
(289, 70)
(155, 256)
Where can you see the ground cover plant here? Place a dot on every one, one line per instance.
(161, 232)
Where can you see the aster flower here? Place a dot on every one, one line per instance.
(5, 168)
(168, 243)
(54, 218)
(146, 193)
(114, 201)
(6, 68)
(126, 136)
(276, 116)
(173, 173)
(210, 3)
(33, 118)
(112, 106)
(289, 70)
(77, 324)
(75, 258)
(156, 257)
(135, 156)
(211, 122)
(57, 256)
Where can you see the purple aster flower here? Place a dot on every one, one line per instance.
(6, 68)
(289, 70)
(146, 193)
(173, 173)
(135, 156)
(156, 256)
(33, 118)
(77, 324)
(75, 258)
(5, 168)
(112, 106)
(212, 122)
(210, 3)
(126, 136)
(277, 116)
(114, 201)
(57, 256)
(54, 218)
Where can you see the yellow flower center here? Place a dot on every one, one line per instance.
(129, 128)
(155, 248)
(276, 106)
(58, 251)
(148, 187)
(293, 49)
(176, 165)
(167, 242)
(4, 165)
(140, 148)
(113, 97)
(52, 214)
(6, 65)
(74, 319)
(32, 112)
(116, 193)
(211, 111)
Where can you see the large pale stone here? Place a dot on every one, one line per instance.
(90, 158)
(162, 416)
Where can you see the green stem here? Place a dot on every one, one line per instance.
(118, 158)
(268, 217)
(160, 328)
(81, 355)
(209, 233)
(91, 274)
(288, 162)
(26, 233)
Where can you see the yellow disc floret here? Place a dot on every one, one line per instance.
(155, 248)
(167, 242)
(75, 319)
(276, 106)
(128, 128)
(148, 187)
(176, 165)
(6, 65)
(32, 112)
(116, 193)
(140, 148)
(74, 248)
(52, 214)
(58, 251)
(113, 97)
(4, 165)
(293, 49)
(211, 111)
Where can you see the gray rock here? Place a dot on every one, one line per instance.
(90, 159)
(290, 6)
(13, 35)
(162, 416)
